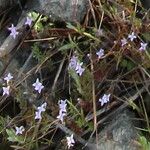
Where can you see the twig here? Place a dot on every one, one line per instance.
(94, 101)
(58, 74)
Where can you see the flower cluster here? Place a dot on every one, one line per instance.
(104, 99)
(131, 37)
(13, 30)
(76, 65)
(6, 90)
(40, 109)
(62, 110)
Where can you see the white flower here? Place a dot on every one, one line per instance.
(42, 108)
(62, 105)
(19, 130)
(8, 77)
(6, 90)
(38, 115)
(100, 53)
(38, 86)
(13, 31)
(61, 116)
(143, 46)
(70, 141)
(104, 99)
(132, 36)
(123, 42)
(28, 21)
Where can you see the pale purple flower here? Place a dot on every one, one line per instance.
(28, 21)
(13, 31)
(38, 115)
(19, 130)
(78, 65)
(100, 53)
(38, 86)
(6, 90)
(80, 71)
(73, 62)
(104, 99)
(8, 77)
(62, 105)
(70, 141)
(143, 46)
(42, 108)
(132, 36)
(123, 42)
(61, 116)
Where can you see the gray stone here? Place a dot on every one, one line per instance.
(60, 10)
(119, 134)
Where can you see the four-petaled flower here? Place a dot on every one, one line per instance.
(123, 41)
(61, 116)
(8, 77)
(143, 46)
(19, 130)
(38, 115)
(70, 141)
(104, 99)
(62, 105)
(100, 53)
(73, 62)
(38, 86)
(79, 69)
(132, 36)
(28, 21)
(40, 109)
(13, 31)
(6, 90)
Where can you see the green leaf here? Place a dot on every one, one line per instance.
(76, 78)
(12, 137)
(67, 46)
(144, 143)
(146, 36)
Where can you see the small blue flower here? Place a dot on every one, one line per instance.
(104, 99)
(13, 31)
(123, 42)
(19, 130)
(132, 36)
(38, 85)
(143, 46)
(28, 21)
(100, 53)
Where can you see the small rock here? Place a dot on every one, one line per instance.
(60, 10)
(120, 134)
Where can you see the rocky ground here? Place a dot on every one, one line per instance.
(116, 123)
